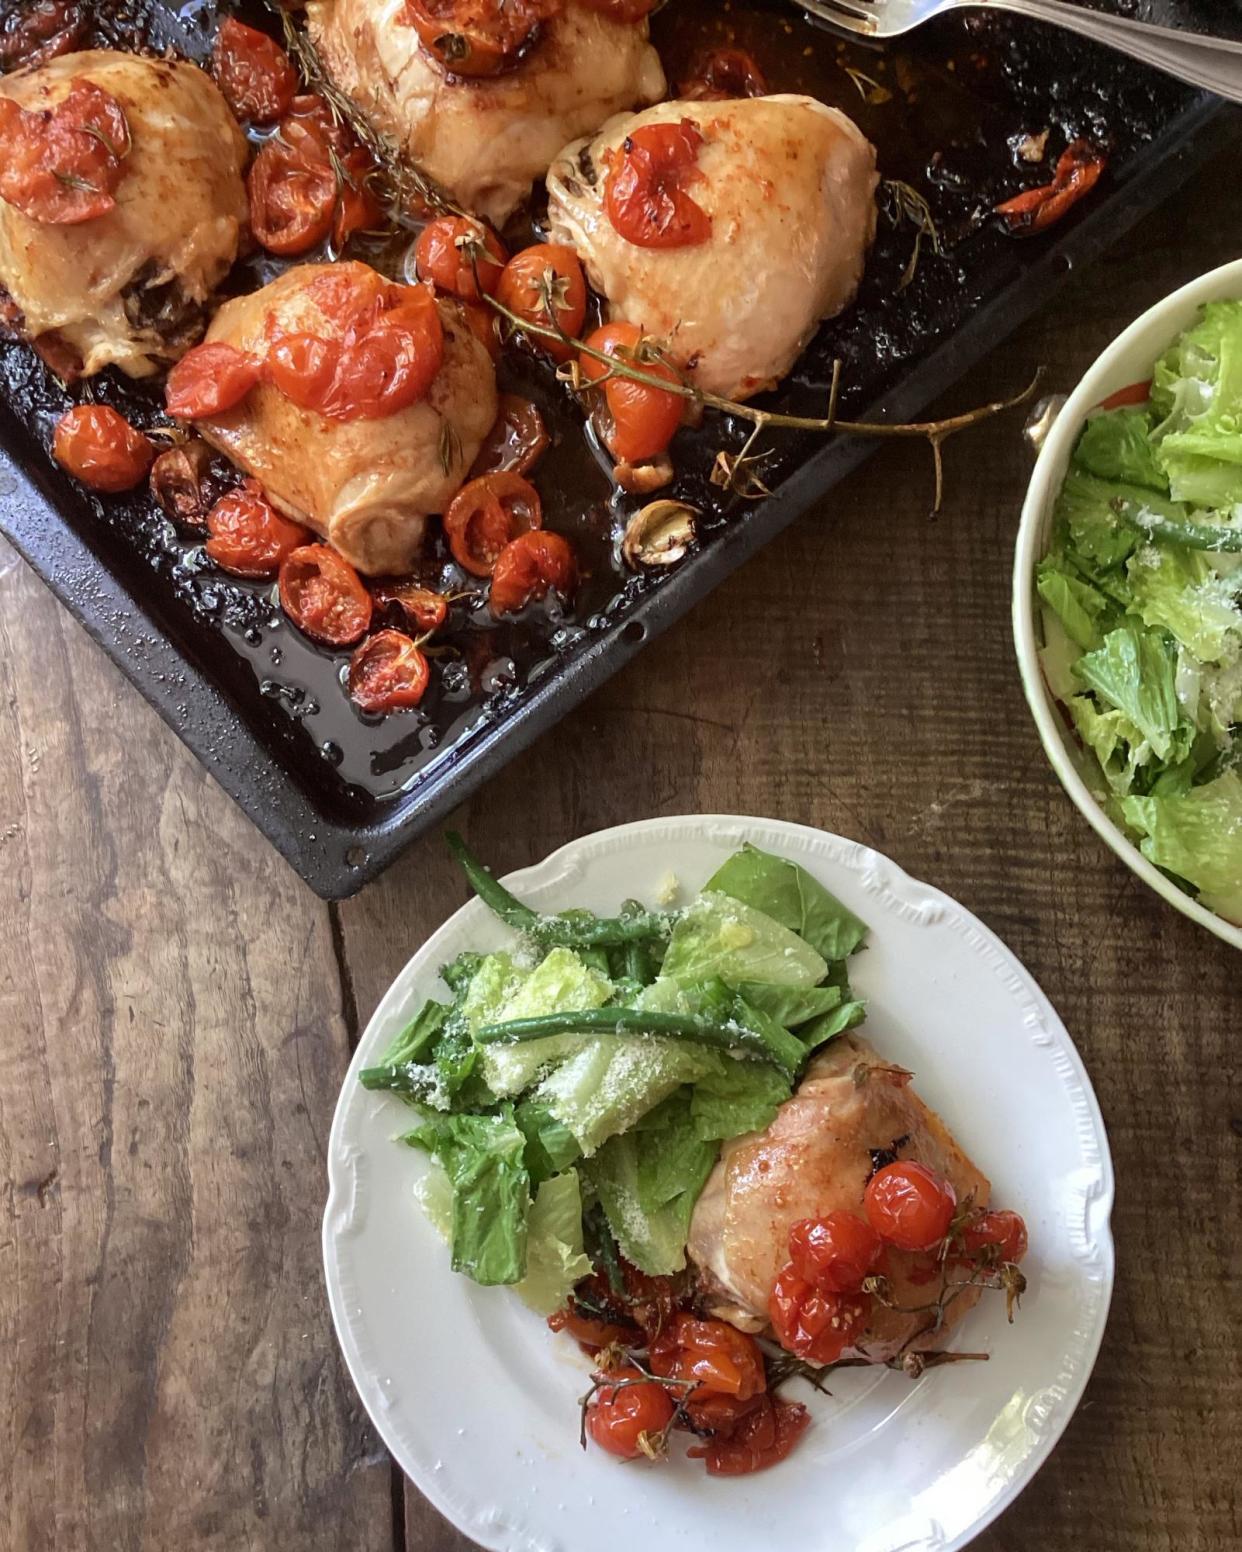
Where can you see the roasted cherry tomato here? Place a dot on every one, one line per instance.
(253, 72)
(40, 30)
(388, 673)
(529, 567)
(718, 74)
(834, 1252)
(313, 137)
(323, 595)
(292, 199)
(423, 608)
(909, 1205)
(478, 37)
(594, 1334)
(724, 1360)
(208, 380)
(546, 267)
(517, 440)
(1133, 393)
(62, 166)
(622, 10)
(711, 1412)
(357, 207)
(814, 1323)
(645, 189)
(761, 1438)
(451, 250)
(629, 1419)
(101, 448)
(482, 321)
(995, 1237)
(249, 537)
(643, 420)
(485, 515)
(1077, 172)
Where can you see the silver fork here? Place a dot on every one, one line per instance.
(1212, 63)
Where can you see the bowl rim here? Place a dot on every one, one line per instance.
(1113, 368)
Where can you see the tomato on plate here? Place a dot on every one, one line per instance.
(1133, 393)
(1077, 172)
(622, 10)
(424, 609)
(101, 448)
(517, 440)
(460, 256)
(995, 1237)
(760, 1439)
(716, 75)
(535, 275)
(323, 595)
(813, 1322)
(209, 380)
(629, 1419)
(253, 72)
(388, 673)
(478, 37)
(292, 199)
(62, 166)
(643, 419)
(593, 1333)
(486, 514)
(909, 1205)
(249, 537)
(645, 189)
(40, 30)
(529, 567)
(724, 1360)
(835, 1252)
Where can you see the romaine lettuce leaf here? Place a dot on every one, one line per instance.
(829, 1025)
(1180, 590)
(653, 1239)
(740, 1097)
(1116, 445)
(1198, 837)
(1117, 744)
(790, 896)
(550, 1146)
(482, 1157)
(1133, 671)
(1079, 606)
(416, 1041)
(673, 1156)
(1198, 388)
(790, 1005)
(561, 983)
(555, 1260)
(719, 937)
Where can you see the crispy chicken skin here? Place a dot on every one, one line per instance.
(814, 1158)
(130, 288)
(486, 140)
(789, 185)
(367, 486)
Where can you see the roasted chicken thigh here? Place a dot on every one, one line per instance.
(487, 139)
(851, 1112)
(781, 191)
(127, 286)
(367, 485)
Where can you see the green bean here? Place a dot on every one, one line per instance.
(578, 931)
(630, 1022)
(1195, 536)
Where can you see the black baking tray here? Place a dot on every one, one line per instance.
(340, 796)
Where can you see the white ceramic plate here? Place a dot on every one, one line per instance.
(1129, 359)
(478, 1401)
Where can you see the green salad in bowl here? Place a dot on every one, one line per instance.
(1141, 601)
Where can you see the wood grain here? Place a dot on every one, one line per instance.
(859, 675)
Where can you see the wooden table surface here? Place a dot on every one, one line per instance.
(178, 1009)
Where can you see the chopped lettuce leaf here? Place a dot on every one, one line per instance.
(555, 1260)
(608, 1084)
(790, 1005)
(654, 1240)
(1133, 671)
(482, 1157)
(819, 1031)
(459, 972)
(495, 980)
(1079, 606)
(561, 983)
(1198, 837)
(1198, 390)
(740, 1097)
(790, 896)
(550, 1146)
(1119, 746)
(1116, 445)
(673, 1156)
(720, 937)
(417, 1039)
(433, 1191)
(1180, 590)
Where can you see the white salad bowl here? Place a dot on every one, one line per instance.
(478, 1401)
(1129, 359)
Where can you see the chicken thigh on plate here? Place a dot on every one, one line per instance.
(122, 205)
(852, 1113)
(368, 466)
(484, 118)
(725, 230)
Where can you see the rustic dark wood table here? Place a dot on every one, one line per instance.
(178, 1009)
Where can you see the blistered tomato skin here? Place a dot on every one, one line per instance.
(388, 673)
(461, 257)
(323, 595)
(249, 538)
(909, 1206)
(642, 420)
(645, 191)
(100, 447)
(996, 1236)
(835, 1252)
(628, 1419)
(253, 72)
(529, 567)
(486, 515)
(62, 167)
(210, 380)
(814, 1323)
(537, 274)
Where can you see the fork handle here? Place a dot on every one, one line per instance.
(1212, 63)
